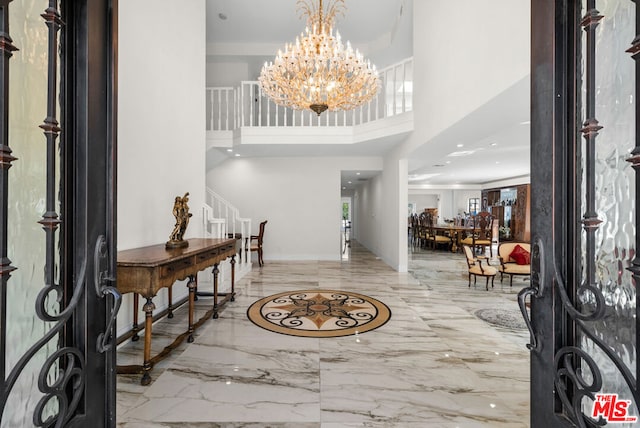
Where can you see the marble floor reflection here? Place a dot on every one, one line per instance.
(434, 364)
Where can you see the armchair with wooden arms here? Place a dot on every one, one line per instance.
(514, 260)
(255, 243)
(479, 266)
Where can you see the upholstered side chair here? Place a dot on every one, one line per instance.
(476, 267)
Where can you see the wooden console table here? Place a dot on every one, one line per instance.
(146, 270)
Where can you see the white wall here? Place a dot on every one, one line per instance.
(299, 197)
(449, 201)
(161, 123)
(424, 201)
(464, 60)
(461, 200)
(368, 208)
(227, 73)
(379, 204)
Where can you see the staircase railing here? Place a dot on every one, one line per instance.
(230, 108)
(222, 219)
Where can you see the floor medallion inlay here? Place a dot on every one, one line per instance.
(319, 313)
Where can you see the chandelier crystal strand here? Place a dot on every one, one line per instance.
(318, 71)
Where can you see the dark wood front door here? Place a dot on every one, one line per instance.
(59, 369)
(584, 184)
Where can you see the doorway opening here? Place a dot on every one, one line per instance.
(345, 227)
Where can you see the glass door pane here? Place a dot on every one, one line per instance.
(614, 195)
(27, 190)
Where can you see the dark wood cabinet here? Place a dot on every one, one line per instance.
(521, 214)
(512, 212)
(497, 211)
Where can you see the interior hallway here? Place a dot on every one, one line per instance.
(434, 364)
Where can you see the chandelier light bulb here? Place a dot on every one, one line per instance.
(344, 80)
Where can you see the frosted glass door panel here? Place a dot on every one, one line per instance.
(614, 202)
(27, 183)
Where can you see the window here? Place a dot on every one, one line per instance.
(474, 205)
(412, 208)
(345, 210)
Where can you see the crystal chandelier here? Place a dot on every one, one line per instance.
(317, 71)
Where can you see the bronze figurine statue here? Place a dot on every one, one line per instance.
(182, 215)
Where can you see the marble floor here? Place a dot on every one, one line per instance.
(434, 364)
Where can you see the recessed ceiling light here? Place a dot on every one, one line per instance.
(463, 153)
(229, 150)
(357, 173)
(448, 162)
(459, 145)
(348, 182)
(493, 144)
(497, 162)
(344, 188)
(418, 177)
(237, 155)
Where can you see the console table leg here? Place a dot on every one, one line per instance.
(170, 310)
(193, 281)
(215, 290)
(148, 322)
(135, 317)
(233, 278)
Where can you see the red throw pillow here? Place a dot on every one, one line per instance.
(520, 255)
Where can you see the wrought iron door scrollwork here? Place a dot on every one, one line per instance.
(569, 358)
(100, 280)
(6, 52)
(585, 303)
(569, 375)
(536, 289)
(62, 376)
(70, 377)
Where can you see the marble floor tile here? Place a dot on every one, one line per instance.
(435, 363)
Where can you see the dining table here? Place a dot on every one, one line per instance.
(456, 232)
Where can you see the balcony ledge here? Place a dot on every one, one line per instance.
(312, 135)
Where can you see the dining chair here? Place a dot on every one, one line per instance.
(257, 245)
(476, 267)
(435, 239)
(412, 223)
(423, 230)
(482, 236)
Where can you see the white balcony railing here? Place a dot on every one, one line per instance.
(222, 219)
(230, 108)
